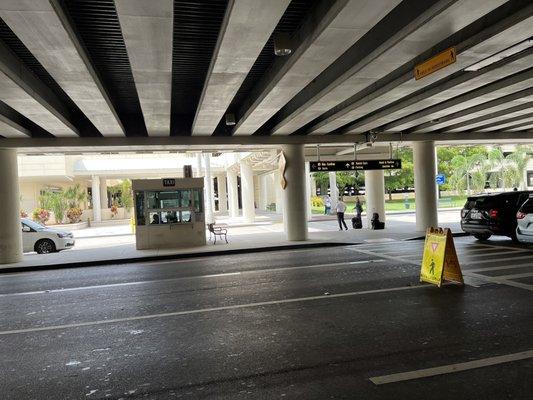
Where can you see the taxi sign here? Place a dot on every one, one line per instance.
(435, 63)
(440, 262)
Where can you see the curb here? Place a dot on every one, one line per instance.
(171, 257)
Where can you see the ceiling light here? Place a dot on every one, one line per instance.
(282, 44)
(517, 48)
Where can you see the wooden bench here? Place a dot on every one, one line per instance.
(218, 230)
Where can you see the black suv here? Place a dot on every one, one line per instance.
(492, 214)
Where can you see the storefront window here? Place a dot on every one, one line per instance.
(186, 198)
(186, 216)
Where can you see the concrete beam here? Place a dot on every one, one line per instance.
(511, 123)
(249, 143)
(331, 28)
(147, 31)
(493, 90)
(407, 30)
(21, 90)
(495, 31)
(48, 36)
(246, 27)
(471, 113)
(9, 129)
(457, 84)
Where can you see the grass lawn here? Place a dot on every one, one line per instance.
(399, 204)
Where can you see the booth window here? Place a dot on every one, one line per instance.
(168, 207)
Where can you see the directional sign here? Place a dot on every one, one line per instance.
(440, 179)
(354, 165)
(435, 63)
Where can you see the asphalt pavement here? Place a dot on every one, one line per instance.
(326, 323)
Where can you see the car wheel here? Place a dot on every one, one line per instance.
(482, 236)
(45, 246)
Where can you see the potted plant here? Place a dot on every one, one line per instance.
(74, 214)
(41, 215)
(114, 210)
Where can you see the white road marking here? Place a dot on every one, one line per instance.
(452, 368)
(136, 283)
(212, 309)
(510, 266)
(495, 279)
(514, 276)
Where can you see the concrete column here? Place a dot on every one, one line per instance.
(279, 192)
(233, 193)
(95, 192)
(222, 194)
(375, 194)
(208, 183)
(10, 228)
(103, 193)
(294, 195)
(263, 192)
(247, 192)
(333, 190)
(308, 190)
(313, 185)
(425, 186)
(199, 172)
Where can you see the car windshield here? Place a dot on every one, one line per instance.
(481, 203)
(33, 225)
(527, 207)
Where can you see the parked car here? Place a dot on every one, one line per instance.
(43, 240)
(492, 214)
(524, 217)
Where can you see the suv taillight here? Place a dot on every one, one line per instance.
(493, 213)
(463, 213)
(520, 215)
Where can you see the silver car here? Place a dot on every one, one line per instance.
(524, 217)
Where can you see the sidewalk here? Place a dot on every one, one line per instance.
(117, 244)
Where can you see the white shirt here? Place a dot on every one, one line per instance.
(341, 207)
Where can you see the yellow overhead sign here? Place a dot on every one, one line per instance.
(440, 262)
(435, 63)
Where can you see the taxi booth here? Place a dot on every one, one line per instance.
(169, 212)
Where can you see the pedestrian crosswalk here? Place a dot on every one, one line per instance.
(481, 262)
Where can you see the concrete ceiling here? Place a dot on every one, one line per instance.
(349, 78)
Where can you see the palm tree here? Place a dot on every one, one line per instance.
(75, 195)
(517, 163)
(464, 166)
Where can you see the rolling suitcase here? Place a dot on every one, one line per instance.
(357, 223)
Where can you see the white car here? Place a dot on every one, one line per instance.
(43, 240)
(524, 218)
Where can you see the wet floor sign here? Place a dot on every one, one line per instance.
(440, 262)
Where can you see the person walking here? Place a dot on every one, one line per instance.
(341, 208)
(327, 205)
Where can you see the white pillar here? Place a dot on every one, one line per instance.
(10, 228)
(308, 190)
(222, 194)
(333, 190)
(313, 185)
(95, 193)
(294, 195)
(247, 192)
(208, 183)
(233, 193)
(279, 192)
(375, 194)
(199, 172)
(425, 186)
(263, 192)
(103, 193)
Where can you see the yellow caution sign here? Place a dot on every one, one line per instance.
(440, 262)
(435, 63)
